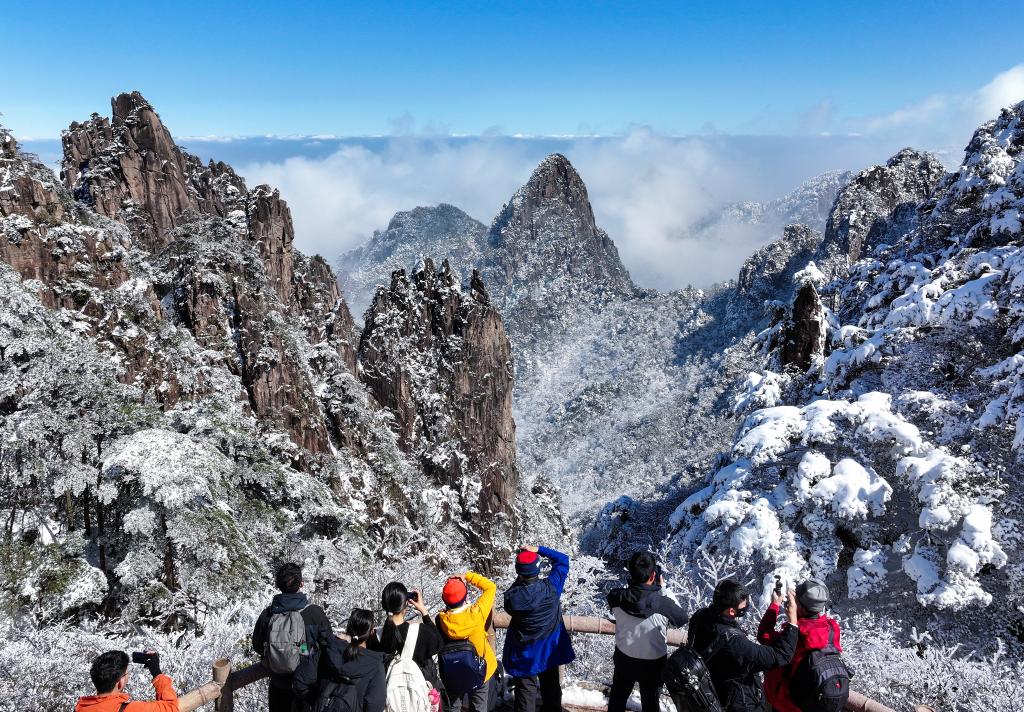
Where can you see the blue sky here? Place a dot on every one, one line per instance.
(373, 68)
(702, 105)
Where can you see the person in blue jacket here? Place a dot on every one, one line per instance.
(537, 641)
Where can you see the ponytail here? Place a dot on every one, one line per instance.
(358, 628)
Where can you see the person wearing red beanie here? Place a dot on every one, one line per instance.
(468, 621)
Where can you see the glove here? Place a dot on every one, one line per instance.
(153, 665)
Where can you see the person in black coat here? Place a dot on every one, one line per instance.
(339, 663)
(396, 599)
(734, 660)
(289, 581)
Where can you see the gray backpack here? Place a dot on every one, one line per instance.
(286, 642)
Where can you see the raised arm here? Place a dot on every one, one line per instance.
(488, 590)
(766, 632)
(758, 657)
(166, 698)
(669, 607)
(559, 567)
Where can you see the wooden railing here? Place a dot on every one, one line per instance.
(220, 690)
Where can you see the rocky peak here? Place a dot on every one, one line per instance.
(444, 232)
(878, 200)
(129, 168)
(803, 333)
(549, 258)
(768, 273)
(439, 359)
(990, 181)
(554, 182)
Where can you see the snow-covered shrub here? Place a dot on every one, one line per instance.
(803, 479)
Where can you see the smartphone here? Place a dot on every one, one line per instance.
(141, 658)
(778, 585)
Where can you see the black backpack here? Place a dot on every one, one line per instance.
(688, 680)
(821, 682)
(462, 670)
(338, 695)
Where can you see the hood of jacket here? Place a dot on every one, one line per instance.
(639, 599)
(365, 664)
(285, 602)
(814, 633)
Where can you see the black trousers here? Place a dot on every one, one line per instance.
(548, 684)
(630, 671)
(281, 699)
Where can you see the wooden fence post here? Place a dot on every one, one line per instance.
(222, 676)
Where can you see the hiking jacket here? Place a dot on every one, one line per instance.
(313, 616)
(643, 613)
(428, 642)
(469, 622)
(537, 639)
(814, 634)
(366, 670)
(166, 700)
(734, 668)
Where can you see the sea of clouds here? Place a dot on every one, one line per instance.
(648, 190)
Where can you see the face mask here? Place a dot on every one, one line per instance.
(740, 612)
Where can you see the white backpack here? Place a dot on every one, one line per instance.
(408, 690)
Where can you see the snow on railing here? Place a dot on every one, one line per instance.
(220, 689)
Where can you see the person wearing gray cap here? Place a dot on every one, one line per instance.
(815, 680)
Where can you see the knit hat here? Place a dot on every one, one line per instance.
(528, 563)
(454, 592)
(812, 595)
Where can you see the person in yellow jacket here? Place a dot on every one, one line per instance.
(462, 620)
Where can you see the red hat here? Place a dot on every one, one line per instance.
(528, 563)
(454, 592)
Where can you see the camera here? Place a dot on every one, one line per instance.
(413, 596)
(142, 658)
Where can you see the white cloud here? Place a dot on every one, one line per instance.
(647, 190)
(945, 122)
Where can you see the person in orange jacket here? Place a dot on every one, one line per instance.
(110, 672)
(462, 620)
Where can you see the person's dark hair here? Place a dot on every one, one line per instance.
(728, 594)
(289, 578)
(394, 598)
(107, 669)
(358, 628)
(641, 566)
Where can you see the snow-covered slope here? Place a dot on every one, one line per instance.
(893, 465)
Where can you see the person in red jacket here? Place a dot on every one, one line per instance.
(109, 673)
(814, 625)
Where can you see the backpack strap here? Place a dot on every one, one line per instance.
(410, 641)
(123, 705)
(716, 645)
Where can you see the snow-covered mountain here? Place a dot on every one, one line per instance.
(186, 400)
(808, 204)
(443, 232)
(891, 465)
